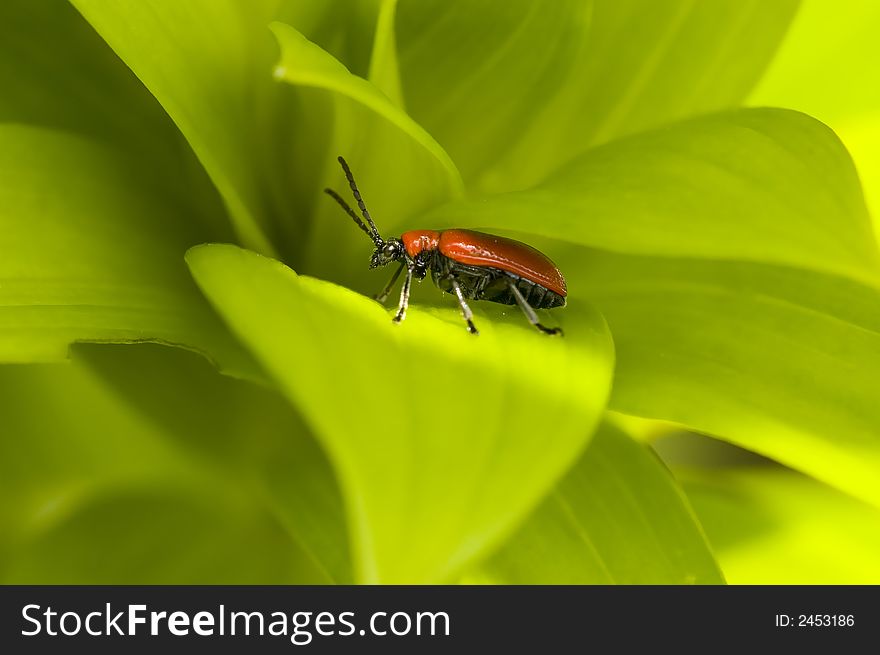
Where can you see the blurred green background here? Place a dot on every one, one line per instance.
(196, 388)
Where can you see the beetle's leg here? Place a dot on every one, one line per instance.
(465, 309)
(528, 311)
(404, 296)
(382, 296)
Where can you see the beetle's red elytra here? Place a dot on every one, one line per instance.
(479, 249)
(468, 264)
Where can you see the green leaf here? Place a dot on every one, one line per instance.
(246, 435)
(56, 72)
(157, 469)
(92, 251)
(835, 83)
(345, 28)
(441, 441)
(515, 89)
(208, 63)
(617, 517)
(305, 64)
(759, 185)
(157, 537)
(61, 439)
(772, 526)
(776, 360)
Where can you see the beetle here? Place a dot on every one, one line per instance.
(468, 264)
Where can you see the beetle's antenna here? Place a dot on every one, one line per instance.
(350, 212)
(357, 196)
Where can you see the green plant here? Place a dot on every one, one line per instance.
(722, 267)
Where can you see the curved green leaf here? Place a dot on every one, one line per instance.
(157, 537)
(158, 469)
(56, 72)
(305, 64)
(92, 251)
(617, 517)
(345, 28)
(776, 360)
(835, 83)
(247, 435)
(207, 62)
(441, 440)
(515, 89)
(61, 430)
(761, 184)
(772, 526)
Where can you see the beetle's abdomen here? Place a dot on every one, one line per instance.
(537, 295)
(492, 284)
(416, 241)
(479, 249)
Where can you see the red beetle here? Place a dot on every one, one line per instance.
(472, 265)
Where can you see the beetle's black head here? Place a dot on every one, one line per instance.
(387, 252)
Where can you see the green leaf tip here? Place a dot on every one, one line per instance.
(307, 64)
